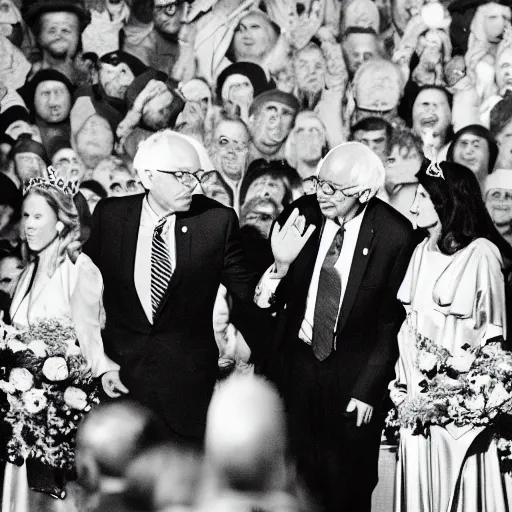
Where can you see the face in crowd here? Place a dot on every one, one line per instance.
(271, 125)
(198, 91)
(10, 22)
(499, 206)
(423, 211)
(504, 71)
(431, 113)
(504, 140)
(254, 37)
(29, 165)
(167, 16)
(310, 70)
(376, 140)
(115, 80)
(473, 152)
(95, 141)
(230, 149)
(310, 137)
(237, 89)
(68, 165)
(359, 48)
(403, 10)
(60, 34)
(259, 213)
(267, 186)
(52, 101)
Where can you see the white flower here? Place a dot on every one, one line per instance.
(498, 396)
(491, 349)
(462, 363)
(75, 398)
(73, 350)
(16, 346)
(35, 400)
(7, 387)
(38, 347)
(55, 369)
(475, 403)
(505, 366)
(427, 362)
(21, 379)
(479, 382)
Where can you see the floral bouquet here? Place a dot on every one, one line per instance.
(45, 389)
(470, 389)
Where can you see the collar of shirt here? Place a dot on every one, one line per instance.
(149, 219)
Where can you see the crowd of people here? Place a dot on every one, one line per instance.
(298, 186)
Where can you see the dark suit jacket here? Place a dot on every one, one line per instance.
(370, 315)
(170, 365)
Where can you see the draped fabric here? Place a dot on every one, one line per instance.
(452, 300)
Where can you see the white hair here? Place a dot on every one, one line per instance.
(154, 153)
(366, 169)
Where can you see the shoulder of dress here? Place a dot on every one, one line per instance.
(482, 248)
(84, 267)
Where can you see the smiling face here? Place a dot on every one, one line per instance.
(231, 149)
(499, 206)
(473, 152)
(52, 101)
(425, 215)
(431, 112)
(60, 34)
(115, 80)
(253, 38)
(38, 222)
(271, 125)
(310, 69)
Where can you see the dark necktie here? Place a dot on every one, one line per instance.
(161, 267)
(327, 300)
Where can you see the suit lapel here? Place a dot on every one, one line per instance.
(182, 234)
(359, 262)
(21, 289)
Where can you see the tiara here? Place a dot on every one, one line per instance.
(434, 170)
(68, 187)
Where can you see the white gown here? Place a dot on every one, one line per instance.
(452, 300)
(72, 293)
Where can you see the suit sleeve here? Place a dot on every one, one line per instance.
(373, 380)
(93, 245)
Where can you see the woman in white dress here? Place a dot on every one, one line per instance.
(454, 294)
(58, 282)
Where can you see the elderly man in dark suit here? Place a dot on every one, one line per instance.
(340, 257)
(162, 256)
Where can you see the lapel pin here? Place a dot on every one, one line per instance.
(365, 251)
(184, 229)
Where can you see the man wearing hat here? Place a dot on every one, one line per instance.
(58, 26)
(498, 199)
(49, 96)
(271, 118)
(152, 34)
(117, 71)
(30, 159)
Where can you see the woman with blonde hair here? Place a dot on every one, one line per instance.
(58, 283)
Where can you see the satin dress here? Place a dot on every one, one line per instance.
(452, 300)
(72, 293)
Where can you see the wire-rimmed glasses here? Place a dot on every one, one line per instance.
(312, 184)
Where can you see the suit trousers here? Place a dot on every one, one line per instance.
(337, 460)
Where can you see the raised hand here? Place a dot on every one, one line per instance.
(288, 240)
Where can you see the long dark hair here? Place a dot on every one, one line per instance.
(458, 202)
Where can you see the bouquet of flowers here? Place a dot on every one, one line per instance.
(45, 389)
(473, 388)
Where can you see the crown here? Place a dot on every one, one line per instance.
(68, 187)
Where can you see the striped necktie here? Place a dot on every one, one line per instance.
(161, 266)
(327, 300)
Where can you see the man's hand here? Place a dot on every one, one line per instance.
(288, 241)
(364, 411)
(112, 384)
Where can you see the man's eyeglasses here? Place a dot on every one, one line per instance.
(312, 184)
(193, 178)
(170, 8)
(259, 217)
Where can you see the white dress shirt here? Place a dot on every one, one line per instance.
(142, 272)
(268, 284)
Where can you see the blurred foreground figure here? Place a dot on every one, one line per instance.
(109, 439)
(245, 450)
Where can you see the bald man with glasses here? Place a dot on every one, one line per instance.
(340, 256)
(163, 255)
